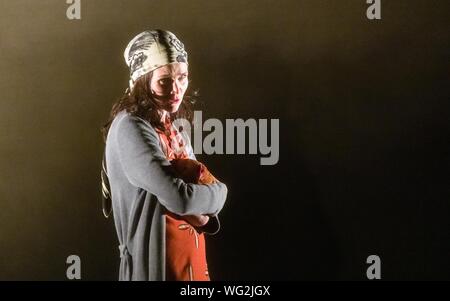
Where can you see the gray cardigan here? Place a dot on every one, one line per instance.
(142, 189)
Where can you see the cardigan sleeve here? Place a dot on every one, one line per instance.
(212, 227)
(146, 167)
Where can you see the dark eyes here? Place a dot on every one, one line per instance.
(165, 81)
(168, 81)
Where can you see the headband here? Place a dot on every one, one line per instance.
(150, 50)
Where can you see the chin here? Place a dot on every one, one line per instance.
(174, 109)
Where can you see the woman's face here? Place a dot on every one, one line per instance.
(168, 84)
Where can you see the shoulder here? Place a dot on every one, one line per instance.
(126, 124)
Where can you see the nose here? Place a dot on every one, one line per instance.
(176, 87)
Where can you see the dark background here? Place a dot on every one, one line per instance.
(364, 132)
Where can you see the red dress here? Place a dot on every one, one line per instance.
(185, 247)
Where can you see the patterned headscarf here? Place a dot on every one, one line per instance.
(150, 50)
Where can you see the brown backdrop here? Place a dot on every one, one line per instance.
(363, 109)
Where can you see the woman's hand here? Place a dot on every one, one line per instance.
(196, 220)
(192, 171)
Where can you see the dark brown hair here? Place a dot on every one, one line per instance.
(141, 103)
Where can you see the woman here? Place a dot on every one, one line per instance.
(159, 218)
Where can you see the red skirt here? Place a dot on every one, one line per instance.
(185, 251)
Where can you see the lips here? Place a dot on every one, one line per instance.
(174, 100)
